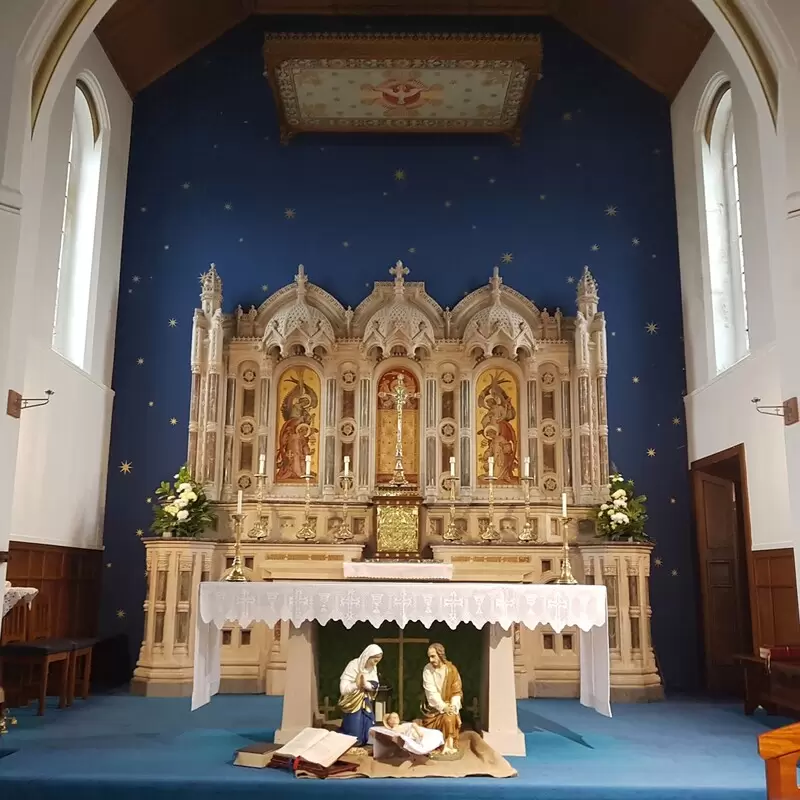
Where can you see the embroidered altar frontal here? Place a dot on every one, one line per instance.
(402, 83)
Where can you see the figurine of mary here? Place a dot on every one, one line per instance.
(358, 686)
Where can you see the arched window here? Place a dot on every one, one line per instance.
(724, 233)
(78, 230)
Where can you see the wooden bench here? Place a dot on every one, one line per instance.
(780, 750)
(34, 659)
(774, 686)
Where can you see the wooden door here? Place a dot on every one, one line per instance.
(722, 581)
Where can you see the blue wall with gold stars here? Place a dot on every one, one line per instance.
(591, 184)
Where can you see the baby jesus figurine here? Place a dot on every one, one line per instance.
(408, 736)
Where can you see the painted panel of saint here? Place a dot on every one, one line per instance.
(386, 428)
(498, 425)
(297, 424)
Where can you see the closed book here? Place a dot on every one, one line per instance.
(256, 756)
(781, 652)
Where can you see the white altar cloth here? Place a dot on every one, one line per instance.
(398, 570)
(500, 605)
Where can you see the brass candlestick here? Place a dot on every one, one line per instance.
(527, 534)
(236, 573)
(566, 578)
(489, 534)
(260, 529)
(5, 720)
(307, 531)
(344, 532)
(452, 534)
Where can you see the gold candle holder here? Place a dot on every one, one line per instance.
(307, 531)
(527, 534)
(490, 534)
(344, 533)
(237, 572)
(260, 529)
(566, 578)
(5, 720)
(452, 534)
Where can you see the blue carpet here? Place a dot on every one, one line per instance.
(129, 748)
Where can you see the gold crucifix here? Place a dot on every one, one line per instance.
(400, 641)
(400, 396)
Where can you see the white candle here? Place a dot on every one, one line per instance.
(347, 466)
(452, 466)
(239, 502)
(563, 504)
(491, 466)
(262, 464)
(526, 467)
(308, 465)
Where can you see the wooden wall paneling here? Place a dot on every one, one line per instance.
(69, 583)
(775, 595)
(377, 8)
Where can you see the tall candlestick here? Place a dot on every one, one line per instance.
(452, 466)
(347, 466)
(526, 467)
(564, 504)
(239, 502)
(262, 464)
(308, 465)
(491, 466)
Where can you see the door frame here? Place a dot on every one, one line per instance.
(706, 465)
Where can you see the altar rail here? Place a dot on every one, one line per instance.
(780, 750)
(546, 662)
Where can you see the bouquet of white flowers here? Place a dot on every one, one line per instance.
(624, 515)
(183, 508)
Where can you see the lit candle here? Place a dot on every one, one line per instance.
(262, 464)
(526, 467)
(239, 502)
(347, 466)
(491, 466)
(564, 504)
(308, 465)
(452, 466)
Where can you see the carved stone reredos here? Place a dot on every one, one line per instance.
(398, 317)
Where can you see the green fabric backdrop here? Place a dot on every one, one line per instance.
(337, 645)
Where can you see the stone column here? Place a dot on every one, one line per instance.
(465, 434)
(329, 467)
(532, 386)
(566, 429)
(300, 699)
(365, 411)
(430, 427)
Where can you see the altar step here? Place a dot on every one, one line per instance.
(132, 747)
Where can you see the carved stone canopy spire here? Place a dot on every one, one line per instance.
(496, 282)
(211, 291)
(587, 294)
(301, 281)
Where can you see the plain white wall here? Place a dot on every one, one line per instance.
(59, 495)
(719, 412)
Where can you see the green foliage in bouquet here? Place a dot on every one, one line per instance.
(182, 509)
(623, 517)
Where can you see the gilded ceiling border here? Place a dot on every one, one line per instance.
(728, 8)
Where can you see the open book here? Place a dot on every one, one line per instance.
(407, 736)
(316, 746)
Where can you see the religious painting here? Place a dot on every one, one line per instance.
(386, 427)
(297, 434)
(497, 415)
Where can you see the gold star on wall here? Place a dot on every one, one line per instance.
(139, 362)
(108, 566)
(290, 213)
(543, 197)
(151, 404)
(619, 430)
(148, 500)
(673, 500)
(674, 573)
(399, 174)
(136, 278)
(120, 614)
(125, 467)
(651, 327)
(492, 180)
(658, 562)
(635, 379)
(594, 248)
(448, 203)
(635, 241)
(676, 420)
(566, 116)
(264, 287)
(345, 244)
(651, 453)
(611, 211)
(507, 258)
(173, 323)
(228, 206)
(139, 532)
(173, 421)
(570, 279)
(412, 250)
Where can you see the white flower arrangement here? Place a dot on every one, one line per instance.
(624, 516)
(183, 510)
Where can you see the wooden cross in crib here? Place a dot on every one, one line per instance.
(400, 641)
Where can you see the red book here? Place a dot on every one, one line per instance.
(781, 652)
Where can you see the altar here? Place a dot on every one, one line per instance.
(496, 608)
